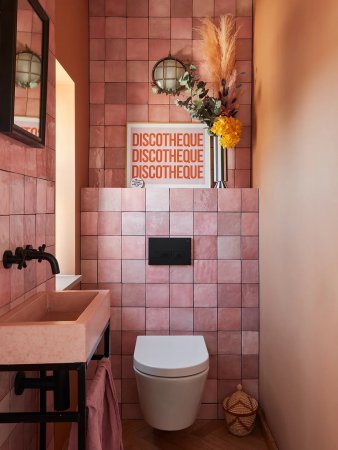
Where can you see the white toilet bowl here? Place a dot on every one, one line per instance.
(170, 374)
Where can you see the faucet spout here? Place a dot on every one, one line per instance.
(41, 255)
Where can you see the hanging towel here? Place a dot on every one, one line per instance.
(104, 429)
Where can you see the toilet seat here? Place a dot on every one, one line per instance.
(171, 356)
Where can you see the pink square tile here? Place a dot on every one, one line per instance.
(133, 271)
(181, 223)
(210, 392)
(249, 224)
(115, 93)
(181, 295)
(114, 158)
(115, 136)
(97, 27)
(229, 200)
(4, 234)
(205, 295)
(181, 319)
(182, 49)
(250, 366)
(158, 48)
(157, 199)
(30, 195)
(157, 274)
(229, 247)
(114, 177)
(89, 247)
(96, 93)
(229, 319)
(96, 158)
(96, 71)
(205, 319)
(96, 136)
(205, 271)
(159, 9)
(116, 27)
(133, 318)
(244, 27)
(250, 342)
(133, 223)
(89, 271)
(229, 295)
(205, 223)
(116, 50)
(115, 114)
(17, 194)
(210, 338)
(205, 199)
(230, 342)
(109, 199)
(137, 93)
(157, 319)
(137, 49)
(250, 271)
(203, 8)
(181, 274)
(127, 368)
(115, 8)
(115, 318)
(244, 8)
(243, 158)
(250, 294)
(250, 319)
(229, 271)
(225, 7)
(244, 52)
(96, 8)
(133, 247)
(133, 294)
(97, 49)
(250, 200)
(157, 223)
(249, 247)
(89, 223)
(159, 28)
(205, 247)
(137, 8)
(158, 113)
(178, 114)
(109, 223)
(242, 178)
(133, 199)
(229, 367)
(181, 8)
(137, 27)
(181, 199)
(109, 271)
(157, 295)
(137, 71)
(115, 72)
(4, 192)
(229, 224)
(137, 113)
(109, 247)
(251, 387)
(129, 341)
(181, 28)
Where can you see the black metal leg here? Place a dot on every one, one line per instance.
(43, 409)
(81, 392)
(107, 341)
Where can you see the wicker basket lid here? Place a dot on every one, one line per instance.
(240, 403)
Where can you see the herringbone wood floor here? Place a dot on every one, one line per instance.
(203, 435)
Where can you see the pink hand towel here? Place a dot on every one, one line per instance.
(104, 429)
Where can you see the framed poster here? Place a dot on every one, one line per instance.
(168, 154)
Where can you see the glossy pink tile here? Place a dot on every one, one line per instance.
(181, 28)
(250, 366)
(109, 247)
(4, 192)
(137, 27)
(229, 224)
(203, 8)
(157, 274)
(205, 319)
(157, 319)
(157, 223)
(250, 271)
(96, 7)
(157, 199)
(205, 223)
(109, 223)
(250, 342)
(229, 342)
(115, 114)
(137, 93)
(182, 48)
(181, 319)
(109, 199)
(133, 271)
(229, 295)
(181, 295)
(97, 27)
(250, 200)
(133, 294)
(129, 341)
(229, 319)
(205, 247)
(205, 271)
(137, 113)
(109, 271)
(250, 319)
(133, 247)
(158, 113)
(229, 247)
(114, 93)
(97, 49)
(137, 72)
(157, 295)
(115, 8)
(229, 200)
(244, 27)
(17, 194)
(229, 271)
(249, 247)
(229, 367)
(158, 48)
(244, 7)
(137, 49)
(116, 50)
(133, 199)
(181, 8)
(133, 319)
(89, 271)
(159, 9)
(137, 8)
(89, 223)
(181, 274)
(249, 224)
(205, 199)
(133, 223)
(181, 223)
(250, 295)
(205, 295)
(159, 27)
(210, 392)
(116, 27)
(89, 247)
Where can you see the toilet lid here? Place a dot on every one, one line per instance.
(171, 356)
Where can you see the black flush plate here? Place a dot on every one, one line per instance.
(169, 251)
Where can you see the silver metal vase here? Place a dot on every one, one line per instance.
(220, 168)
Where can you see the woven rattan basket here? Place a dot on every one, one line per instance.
(240, 412)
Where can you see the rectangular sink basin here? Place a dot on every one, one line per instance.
(54, 327)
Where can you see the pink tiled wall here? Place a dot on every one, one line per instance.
(127, 37)
(216, 296)
(27, 185)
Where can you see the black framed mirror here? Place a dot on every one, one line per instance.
(24, 32)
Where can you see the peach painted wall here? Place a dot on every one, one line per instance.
(127, 37)
(216, 296)
(27, 189)
(72, 51)
(295, 167)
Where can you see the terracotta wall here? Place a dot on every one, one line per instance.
(26, 217)
(295, 167)
(127, 37)
(216, 296)
(72, 52)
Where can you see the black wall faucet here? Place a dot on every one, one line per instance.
(28, 253)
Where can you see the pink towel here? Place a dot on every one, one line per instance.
(104, 429)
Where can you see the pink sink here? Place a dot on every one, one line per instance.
(54, 327)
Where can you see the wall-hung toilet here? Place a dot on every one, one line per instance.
(170, 374)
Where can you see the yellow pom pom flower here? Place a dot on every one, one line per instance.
(229, 129)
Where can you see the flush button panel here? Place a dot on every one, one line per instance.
(169, 251)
